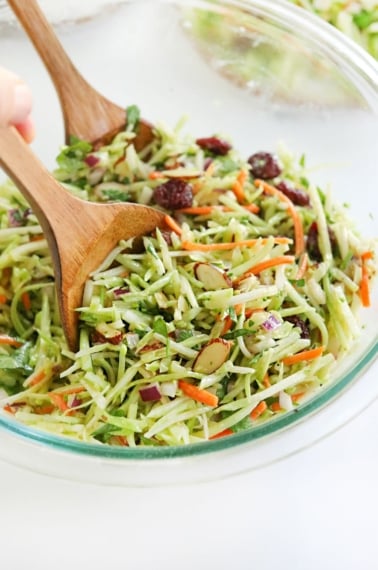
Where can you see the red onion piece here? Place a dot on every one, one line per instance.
(91, 160)
(120, 291)
(271, 323)
(150, 393)
(15, 218)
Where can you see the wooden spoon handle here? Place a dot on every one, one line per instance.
(44, 194)
(87, 114)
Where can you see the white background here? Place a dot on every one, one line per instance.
(317, 509)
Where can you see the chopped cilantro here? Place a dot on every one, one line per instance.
(160, 327)
(116, 195)
(133, 117)
(234, 334)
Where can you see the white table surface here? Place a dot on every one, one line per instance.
(317, 509)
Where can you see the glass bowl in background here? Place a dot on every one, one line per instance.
(265, 73)
(59, 12)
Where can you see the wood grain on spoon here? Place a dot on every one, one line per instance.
(80, 234)
(87, 114)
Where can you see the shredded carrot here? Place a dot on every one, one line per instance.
(223, 433)
(242, 177)
(9, 340)
(258, 410)
(170, 222)
(8, 408)
(275, 407)
(191, 246)
(237, 189)
(364, 290)
(238, 308)
(198, 394)
(279, 260)
(46, 409)
(71, 390)
(238, 186)
(35, 378)
(297, 396)
(266, 380)
(59, 401)
(227, 324)
(367, 255)
(207, 210)
(120, 440)
(25, 298)
(3, 299)
(155, 175)
(298, 227)
(37, 237)
(249, 312)
(196, 187)
(252, 208)
(304, 355)
(303, 262)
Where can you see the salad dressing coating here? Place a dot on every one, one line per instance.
(237, 312)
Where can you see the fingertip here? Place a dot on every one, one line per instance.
(22, 103)
(27, 129)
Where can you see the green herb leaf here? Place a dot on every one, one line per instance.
(160, 327)
(116, 195)
(234, 334)
(228, 165)
(133, 117)
(183, 335)
(72, 156)
(364, 18)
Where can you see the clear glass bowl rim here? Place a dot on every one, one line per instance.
(360, 64)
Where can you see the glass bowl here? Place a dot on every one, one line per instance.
(265, 73)
(60, 12)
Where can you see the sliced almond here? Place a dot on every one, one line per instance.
(106, 333)
(184, 173)
(211, 277)
(212, 356)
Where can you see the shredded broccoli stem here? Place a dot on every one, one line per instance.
(186, 339)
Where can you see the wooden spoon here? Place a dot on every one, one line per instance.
(87, 114)
(80, 234)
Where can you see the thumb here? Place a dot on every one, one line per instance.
(15, 103)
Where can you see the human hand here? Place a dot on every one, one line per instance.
(15, 104)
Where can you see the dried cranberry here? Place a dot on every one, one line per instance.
(214, 145)
(167, 236)
(312, 244)
(298, 197)
(301, 324)
(174, 194)
(264, 165)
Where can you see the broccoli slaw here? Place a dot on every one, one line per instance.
(358, 19)
(235, 312)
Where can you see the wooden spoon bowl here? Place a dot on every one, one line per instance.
(80, 234)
